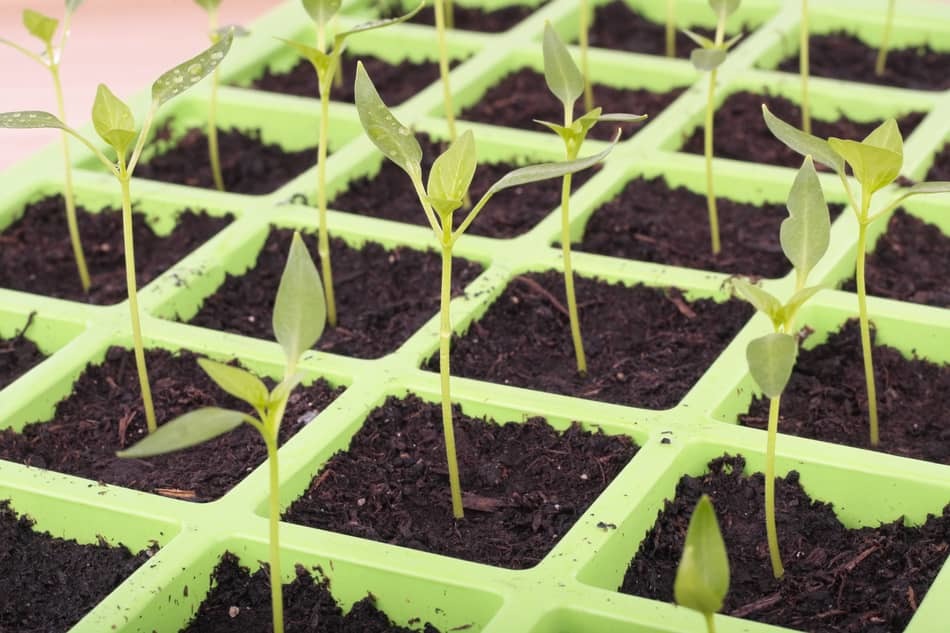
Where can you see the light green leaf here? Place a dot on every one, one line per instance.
(797, 300)
(187, 430)
(771, 359)
(238, 382)
(707, 58)
(72, 5)
(567, 134)
(452, 172)
(29, 119)
(39, 25)
(731, 41)
(806, 232)
(113, 120)
(619, 117)
(300, 311)
(761, 300)
(282, 391)
(375, 24)
(561, 74)
(319, 59)
(393, 139)
(702, 578)
(321, 11)
(584, 123)
(187, 74)
(701, 40)
(724, 7)
(886, 136)
(208, 5)
(802, 142)
(444, 206)
(874, 167)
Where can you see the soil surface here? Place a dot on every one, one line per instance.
(910, 262)
(826, 399)
(617, 25)
(36, 254)
(382, 296)
(50, 583)
(389, 194)
(240, 601)
(248, 165)
(940, 170)
(740, 132)
(651, 222)
(474, 19)
(840, 55)
(663, 347)
(18, 355)
(524, 485)
(104, 414)
(868, 580)
(522, 96)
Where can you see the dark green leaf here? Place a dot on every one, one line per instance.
(29, 119)
(185, 431)
(702, 578)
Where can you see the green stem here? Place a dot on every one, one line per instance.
(566, 251)
(323, 238)
(444, 68)
(771, 533)
(276, 586)
(449, 14)
(445, 340)
(583, 28)
(213, 151)
(671, 28)
(710, 624)
(803, 67)
(866, 333)
(881, 62)
(708, 149)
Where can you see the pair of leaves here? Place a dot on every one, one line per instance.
(767, 304)
(702, 577)
(712, 54)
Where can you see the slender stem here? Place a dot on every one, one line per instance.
(881, 62)
(323, 237)
(276, 586)
(213, 153)
(444, 68)
(803, 67)
(449, 14)
(337, 62)
(583, 28)
(710, 624)
(445, 341)
(771, 533)
(708, 148)
(566, 250)
(143, 136)
(37, 58)
(866, 333)
(671, 28)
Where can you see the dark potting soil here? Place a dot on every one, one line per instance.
(940, 170)
(395, 82)
(867, 580)
(36, 254)
(475, 19)
(740, 132)
(617, 25)
(651, 222)
(382, 296)
(240, 601)
(50, 583)
(248, 165)
(840, 55)
(523, 485)
(910, 262)
(104, 414)
(18, 355)
(826, 399)
(645, 346)
(389, 194)
(523, 96)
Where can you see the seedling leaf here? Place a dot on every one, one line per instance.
(707, 58)
(798, 299)
(376, 24)
(186, 430)
(187, 74)
(802, 142)
(113, 120)
(771, 359)
(452, 172)
(761, 300)
(393, 139)
(725, 7)
(702, 578)
(30, 119)
(319, 59)
(886, 136)
(321, 11)
(701, 40)
(566, 133)
(282, 391)
(39, 25)
(561, 74)
(300, 311)
(874, 167)
(806, 231)
(238, 382)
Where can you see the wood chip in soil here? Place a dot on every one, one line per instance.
(940, 170)
(248, 164)
(240, 601)
(50, 583)
(910, 262)
(522, 96)
(383, 296)
(18, 355)
(740, 132)
(867, 580)
(104, 414)
(37, 256)
(524, 484)
(826, 399)
(389, 195)
(475, 19)
(840, 55)
(645, 347)
(617, 25)
(650, 221)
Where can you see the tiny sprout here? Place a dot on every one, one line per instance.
(881, 63)
(702, 577)
(449, 180)
(298, 321)
(565, 80)
(711, 55)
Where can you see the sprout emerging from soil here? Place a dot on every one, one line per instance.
(44, 28)
(566, 82)
(881, 63)
(449, 180)
(299, 319)
(702, 577)
(115, 124)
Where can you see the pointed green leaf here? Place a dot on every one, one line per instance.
(886, 136)
(113, 120)
(619, 117)
(319, 59)
(208, 5)
(567, 134)
(584, 123)
(561, 74)
(238, 382)
(393, 139)
(701, 40)
(724, 7)
(187, 430)
(283, 389)
(702, 578)
(802, 142)
(39, 25)
(797, 300)
(452, 172)
(375, 24)
(300, 311)
(72, 5)
(874, 167)
(761, 300)
(187, 74)
(771, 359)
(707, 58)
(29, 119)
(321, 11)
(806, 232)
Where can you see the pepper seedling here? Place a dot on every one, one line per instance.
(876, 162)
(566, 82)
(115, 124)
(326, 66)
(298, 320)
(44, 28)
(881, 63)
(449, 180)
(711, 55)
(702, 577)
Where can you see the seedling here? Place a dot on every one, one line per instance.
(711, 55)
(115, 124)
(566, 82)
(881, 62)
(875, 162)
(44, 28)
(299, 319)
(449, 180)
(702, 577)
(803, 66)
(326, 66)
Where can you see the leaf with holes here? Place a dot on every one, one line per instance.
(187, 74)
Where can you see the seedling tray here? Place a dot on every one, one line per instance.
(574, 588)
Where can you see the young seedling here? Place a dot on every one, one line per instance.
(881, 62)
(875, 162)
(299, 319)
(449, 180)
(803, 66)
(326, 66)
(44, 28)
(566, 82)
(584, 27)
(711, 55)
(702, 577)
(804, 237)
(115, 124)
